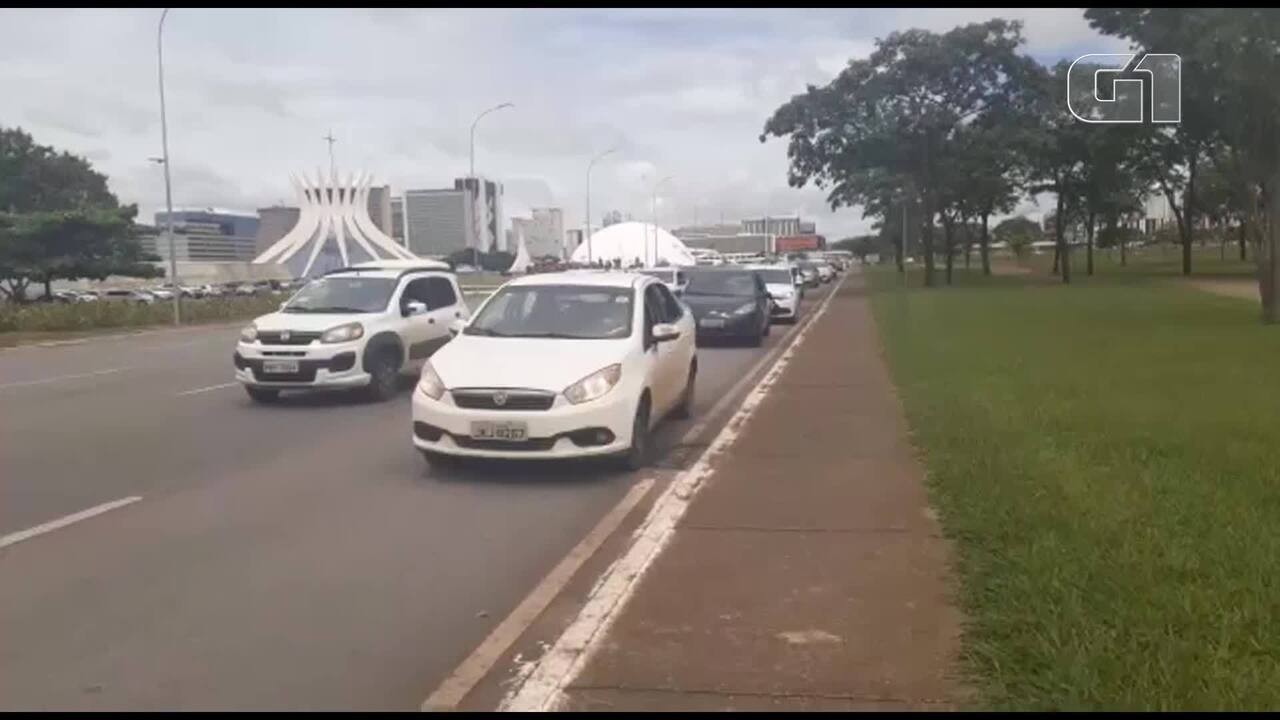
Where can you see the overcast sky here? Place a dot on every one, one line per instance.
(250, 94)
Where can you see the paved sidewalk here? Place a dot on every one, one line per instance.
(808, 574)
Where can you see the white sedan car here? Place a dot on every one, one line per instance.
(559, 365)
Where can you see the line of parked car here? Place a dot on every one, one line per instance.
(551, 365)
(165, 292)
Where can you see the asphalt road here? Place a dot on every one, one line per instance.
(298, 556)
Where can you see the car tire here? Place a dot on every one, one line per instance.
(636, 456)
(684, 410)
(768, 327)
(384, 374)
(262, 396)
(757, 339)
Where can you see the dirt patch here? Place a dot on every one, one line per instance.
(1243, 288)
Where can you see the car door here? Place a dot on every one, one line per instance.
(665, 387)
(444, 306)
(683, 348)
(416, 330)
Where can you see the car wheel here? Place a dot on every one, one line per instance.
(768, 327)
(384, 373)
(263, 396)
(757, 339)
(638, 454)
(684, 410)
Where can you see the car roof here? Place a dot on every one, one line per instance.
(421, 263)
(593, 278)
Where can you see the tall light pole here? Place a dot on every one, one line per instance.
(591, 164)
(472, 176)
(168, 188)
(655, 217)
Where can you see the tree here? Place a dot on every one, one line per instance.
(58, 220)
(1018, 233)
(1179, 150)
(883, 128)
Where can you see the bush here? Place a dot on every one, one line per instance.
(89, 316)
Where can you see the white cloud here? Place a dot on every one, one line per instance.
(251, 92)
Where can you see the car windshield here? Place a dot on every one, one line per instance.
(721, 283)
(573, 312)
(775, 276)
(343, 295)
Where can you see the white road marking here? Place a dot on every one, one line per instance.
(197, 391)
(543, 685)
(477, 665)
(62, 522)
(60, 378)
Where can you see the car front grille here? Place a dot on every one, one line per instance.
(296, 337)
(500, 399)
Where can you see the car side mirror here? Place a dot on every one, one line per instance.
(456, 327)
(413, 307)
(665, 332)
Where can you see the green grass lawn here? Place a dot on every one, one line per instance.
(1154, 260)
(1107, 460)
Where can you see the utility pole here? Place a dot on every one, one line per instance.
(591, 164)
(168, 186)
(472, 178)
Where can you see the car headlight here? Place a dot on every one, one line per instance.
(430, 383)
(249, 333)
(594, 385)
(744, 308)
(343, 333)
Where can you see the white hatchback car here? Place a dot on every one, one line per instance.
(560, 365)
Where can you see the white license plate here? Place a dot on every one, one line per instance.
(279, 367)
(516, 431)
(711, 322)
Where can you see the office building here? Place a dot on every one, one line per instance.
(543, 233)
(441, 221)
(380, 208)
(196, 241)
(231, 223)
(397, 219)
(777, 226)
(437, 222)
(487, 225)
(273, 223)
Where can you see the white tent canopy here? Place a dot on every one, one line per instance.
(629, 242)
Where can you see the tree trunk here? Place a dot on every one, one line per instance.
(1057, 256)
(1064, 260)
(1124, 255)
(897, 255)
(968, 250)
(928, 239)
(1266, 257)
(1188, 215)
(1221, 232)
(948, 239)
(986, 245)
(1244, 256)
(1088, 233)
(48, 287)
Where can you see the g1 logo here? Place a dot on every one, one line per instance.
(1125, 103)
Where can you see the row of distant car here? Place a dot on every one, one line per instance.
(161, 293)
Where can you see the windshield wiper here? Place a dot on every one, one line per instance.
(487, 332)
(714, 294)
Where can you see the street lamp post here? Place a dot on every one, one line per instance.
(601, 156)
(655, 218)
(168, 188)
(472, 176)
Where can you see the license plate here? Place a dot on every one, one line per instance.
(514, 431)
(711, 322)
(279, 367)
